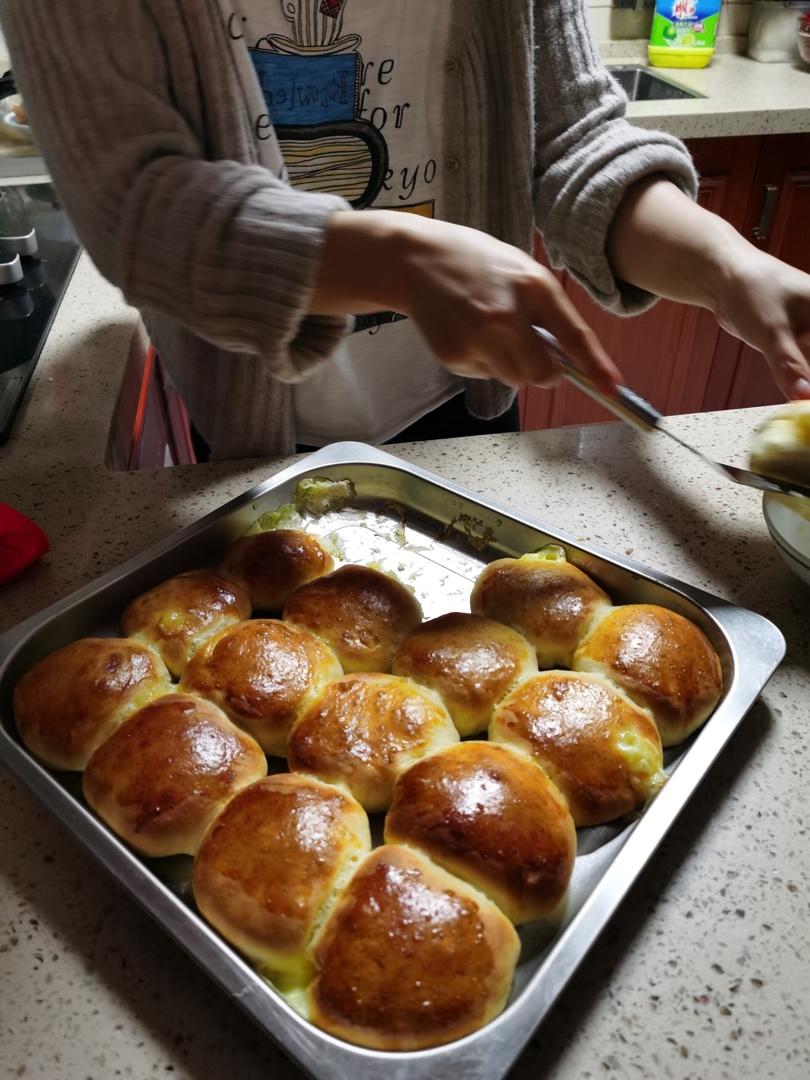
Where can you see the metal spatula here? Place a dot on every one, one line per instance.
(634, 410)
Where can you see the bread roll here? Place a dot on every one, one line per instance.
(601, 750)
(362, 613)
(271, 565)
(364, 730)
(69, 702)
(781, 445)
(178, 615)
(662, 661)
(470, 661)
(262, 673)
(492, 817)
(270, 864)
(166, 772)
(545, 598)
(411, 957)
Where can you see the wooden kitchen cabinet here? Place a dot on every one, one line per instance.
(676, 355)
(778, 221)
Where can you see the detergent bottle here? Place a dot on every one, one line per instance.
(683, 33)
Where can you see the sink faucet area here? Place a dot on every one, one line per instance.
(641, 84)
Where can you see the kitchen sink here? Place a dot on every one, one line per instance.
(640, 84)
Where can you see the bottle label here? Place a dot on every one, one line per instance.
(685, 24)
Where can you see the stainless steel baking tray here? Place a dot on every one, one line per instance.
(436, 536)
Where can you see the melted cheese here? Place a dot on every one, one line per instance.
(644, 761)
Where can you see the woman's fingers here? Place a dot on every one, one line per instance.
(789, 361)
(766, 304)
(552, 310)
(475, 300)
(802, 385)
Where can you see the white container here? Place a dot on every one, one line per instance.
(788, 522)
(772, 32)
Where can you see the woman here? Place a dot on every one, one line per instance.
(213, 155)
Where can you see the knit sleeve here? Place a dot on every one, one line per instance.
(225, 249)
(588, 155)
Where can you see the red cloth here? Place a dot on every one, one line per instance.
(21, 543)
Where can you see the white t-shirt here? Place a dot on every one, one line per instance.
(352, 105)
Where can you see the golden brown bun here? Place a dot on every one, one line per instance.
(364, 730)
(69, 702)
(272, 565)
(470, 661)
(781, 444)
(271, 862)
(164, 774)
(602, 752)
(179, 614)
(262, 673)
(550, 601)
(411, 957)
(360, 612)
(492, 817)
(662, 661)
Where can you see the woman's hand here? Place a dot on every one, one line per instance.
(766, 303)
(662, 241)
(474, 298)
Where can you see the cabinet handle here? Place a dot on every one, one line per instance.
(768, 210)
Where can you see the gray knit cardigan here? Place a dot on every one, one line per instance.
(139, 109)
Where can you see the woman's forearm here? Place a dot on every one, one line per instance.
(663, 242)
(361, 263)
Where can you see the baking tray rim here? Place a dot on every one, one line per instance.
(488, 1052)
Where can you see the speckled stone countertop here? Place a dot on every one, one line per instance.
(740, 97)
(702, 974)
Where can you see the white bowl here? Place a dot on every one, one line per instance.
(790, 530)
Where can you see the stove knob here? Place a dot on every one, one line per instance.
(25, 245)
(10, 272)
(14, 305)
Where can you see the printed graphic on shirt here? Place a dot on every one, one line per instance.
(311, 79)
(361, 87)
(353, 90)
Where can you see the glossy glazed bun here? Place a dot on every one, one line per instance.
(362, 613)
(601, 750)
(262, 673)
(271, 863)
(178, 615)
(493, 817)
(781, 445)
(164, 774)
(470, 661)
(545, 598)
(411, 957)
(69, 702)
(271, 565)
(662, 661)
(364, 730)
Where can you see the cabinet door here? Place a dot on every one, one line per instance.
(779, 222)
(666, 353)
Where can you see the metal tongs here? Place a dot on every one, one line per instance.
(634, 410)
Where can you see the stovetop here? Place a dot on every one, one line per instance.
(38, 252)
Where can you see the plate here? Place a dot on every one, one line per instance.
(788, 521)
